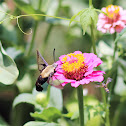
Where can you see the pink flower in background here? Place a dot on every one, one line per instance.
(77, 68)
(114, 21)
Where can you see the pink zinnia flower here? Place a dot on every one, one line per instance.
(77, 68)
(114, 21)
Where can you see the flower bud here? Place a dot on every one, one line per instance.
(41, 99)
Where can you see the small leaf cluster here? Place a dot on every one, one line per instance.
(87, 16)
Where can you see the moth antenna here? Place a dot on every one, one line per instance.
(54, 55)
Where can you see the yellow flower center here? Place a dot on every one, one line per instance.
(73, 62)
(112, 11)
(74, 66)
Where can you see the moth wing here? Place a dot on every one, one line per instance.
(42, 64)
(55, 82)
(108, 80)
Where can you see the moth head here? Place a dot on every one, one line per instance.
(55, 65)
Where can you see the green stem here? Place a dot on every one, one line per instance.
(114, 77)
(93, 38)
(106, 107)
(48, 92)
(81, 104)
(107, 115)
(115, 46)
(111, 71)
(33, 39)
(44, 15)
(90, 3)
(109, 95)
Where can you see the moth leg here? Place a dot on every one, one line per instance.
(51, 74)
(57, 79)
(52, 82)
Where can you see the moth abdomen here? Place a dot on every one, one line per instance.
(39, 87)
(40, 81)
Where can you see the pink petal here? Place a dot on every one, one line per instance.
(119, 23)
(60, 58)
(92, 60)
(112, 30)
(111, 25)
(103, 9)
(78, 52)
(96, 76)
(75, 84)
(107, 26)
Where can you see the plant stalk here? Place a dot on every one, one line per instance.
(80, 104)
(33, 39)
(115, 46)
(109, 95)
(106, 107)
(93, 38)
(90, 3)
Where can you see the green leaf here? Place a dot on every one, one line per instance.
(24, 85)
(49, 114)
(56, 99)
(68, 115)
(8, 68)
(120, 87)
(2, 122)
(73, 17)
(87, 17)
(24, 98)
(123, 66)
(37, 123)
(27, 8)
(13, 52)
(75, 115)
(105, 49)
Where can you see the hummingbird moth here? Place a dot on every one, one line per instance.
(46, 71)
